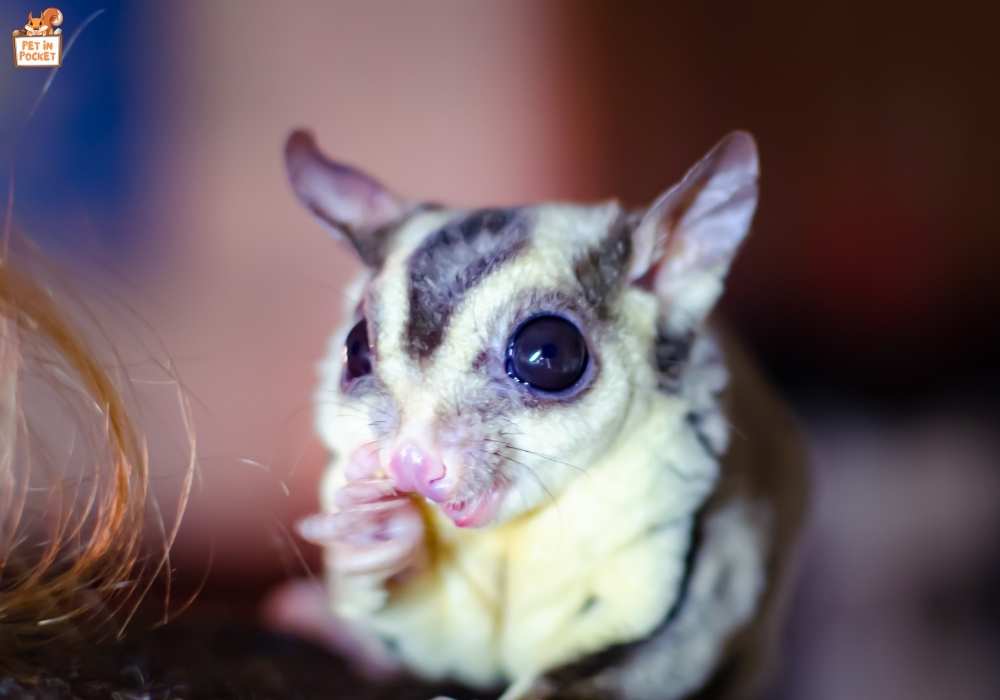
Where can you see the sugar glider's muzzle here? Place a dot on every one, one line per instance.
(415, 468)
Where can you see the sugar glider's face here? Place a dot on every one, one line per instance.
(490, 351)
(494, 353)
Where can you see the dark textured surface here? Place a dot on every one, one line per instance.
(200, 660)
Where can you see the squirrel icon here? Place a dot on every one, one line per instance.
(46, 25)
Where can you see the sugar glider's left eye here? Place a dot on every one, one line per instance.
(357, 352)
(547, 353)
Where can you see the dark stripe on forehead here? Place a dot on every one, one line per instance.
(600, 269)
(451, 261)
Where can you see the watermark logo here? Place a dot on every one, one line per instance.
(38, 44)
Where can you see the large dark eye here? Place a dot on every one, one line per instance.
(547, 353)
(357, 353)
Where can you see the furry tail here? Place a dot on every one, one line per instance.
(52, 17)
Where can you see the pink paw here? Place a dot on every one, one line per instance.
(375, 529)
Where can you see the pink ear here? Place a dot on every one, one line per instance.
(353, 204)
(691, 233)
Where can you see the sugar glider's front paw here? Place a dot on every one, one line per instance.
(375, 531)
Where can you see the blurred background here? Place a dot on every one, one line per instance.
(151, 171)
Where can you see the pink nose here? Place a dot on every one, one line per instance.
(415, 469)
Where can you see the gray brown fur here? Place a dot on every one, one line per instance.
(451, 261)
(670, 352)
(600, 269)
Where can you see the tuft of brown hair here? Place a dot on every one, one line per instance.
(71, 559)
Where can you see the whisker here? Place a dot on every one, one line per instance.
(531, 471)
(254, 463)
(66, 49)
(287, 540)
(537, 454)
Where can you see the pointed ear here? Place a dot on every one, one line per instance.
(686, 240)
(355, 206)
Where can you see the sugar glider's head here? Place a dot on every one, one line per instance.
(493, 354)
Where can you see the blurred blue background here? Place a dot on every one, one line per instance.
(81, 161)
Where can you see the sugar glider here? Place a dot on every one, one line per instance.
(552, 474)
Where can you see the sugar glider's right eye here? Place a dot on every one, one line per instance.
(548, 353)
(357, 352)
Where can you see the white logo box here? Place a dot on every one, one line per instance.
(38, 51)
